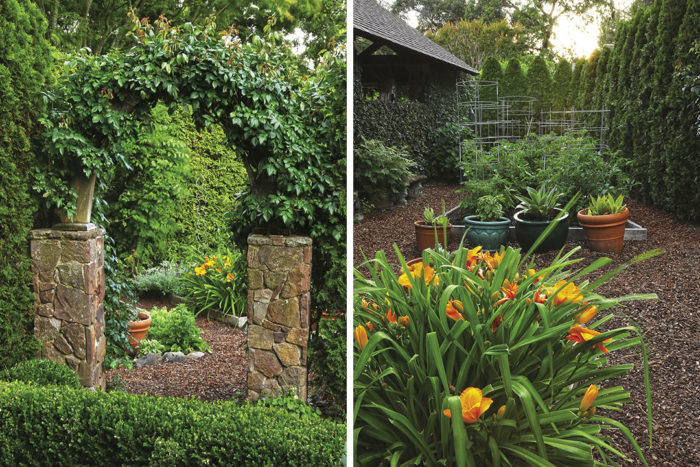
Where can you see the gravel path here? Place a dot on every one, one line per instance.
(668, 323)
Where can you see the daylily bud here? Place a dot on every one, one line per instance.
(586, 315)
(588, 397)
(361, 337)
(501, 412)
(404, 320)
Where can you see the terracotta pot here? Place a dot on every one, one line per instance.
(528, 231)
(85, 187)
(138, 330)
(605, 232)
(425, 235)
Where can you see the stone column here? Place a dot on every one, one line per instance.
(279, 276)
(69, 288)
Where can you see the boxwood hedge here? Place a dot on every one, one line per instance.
(66, 426)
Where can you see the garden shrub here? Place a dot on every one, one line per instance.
(219, 282)
(380, 172)
(24, 72)
(42, 372)
(162, 280)
(327, 357)
(488, 337)
(124, 429)
(175, 329)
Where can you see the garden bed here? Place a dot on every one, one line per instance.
(667, 323)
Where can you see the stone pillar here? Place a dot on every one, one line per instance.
(69, 289)
(279, 276)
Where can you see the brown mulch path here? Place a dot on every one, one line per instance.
(220, 375)
(668, 324)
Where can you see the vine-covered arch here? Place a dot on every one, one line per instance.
(287, 123)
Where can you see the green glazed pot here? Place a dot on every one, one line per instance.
(490, 235)
(527, 231)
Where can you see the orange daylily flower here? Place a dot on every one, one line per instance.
(208, 263)
(417, 270)
(588, 397)
(391, 316)
(454, 309)
(229, 277)
(200, 271)
(569, 293)
(361, 337)
(472, 257)
(532, 272)
(370, 326)
(540, 297)
(509, 291)
(580, 335)
(586, 315)
(473, 405)
(404, 321)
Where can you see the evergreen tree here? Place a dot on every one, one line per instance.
(539, 85)
(491, 71)
(623, 91)
(601, 75)
(683, 154)
(24, 71)
(670, 19)
(562, 81)
(641, 144)
(588, 82)
(575, 86)
(513, 82)
(610, 85)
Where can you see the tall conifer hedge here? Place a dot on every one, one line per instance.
(24, 69)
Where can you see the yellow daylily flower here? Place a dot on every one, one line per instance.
(473, 405)
(416, 270)
(588, 397)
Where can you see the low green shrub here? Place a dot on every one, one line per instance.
(380, 171)
(175, 330)
(290, 403)
(163, 279)
(42, 372)
(327, 356)
(65, 426)
(147, 346)
(219, 283)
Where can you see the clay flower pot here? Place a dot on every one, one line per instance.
(425, 235)
(605, 232)
(138, 330)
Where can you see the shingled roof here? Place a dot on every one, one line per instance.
(373, 21)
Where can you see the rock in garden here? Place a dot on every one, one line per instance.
(173, 357)
(148, 360)
(194, 355)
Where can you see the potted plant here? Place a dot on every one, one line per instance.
(487, 227)
(138, 329)
(537, 211)
(432, 230)
(604, 223)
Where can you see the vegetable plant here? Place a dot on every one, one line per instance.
(489, 208)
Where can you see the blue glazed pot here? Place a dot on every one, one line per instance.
(527, 231)
(490, 235)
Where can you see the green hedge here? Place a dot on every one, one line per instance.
(24, 71)
(65, 426)
(426, 130)
(41, 372)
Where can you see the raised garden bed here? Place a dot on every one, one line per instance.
(633, 231)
